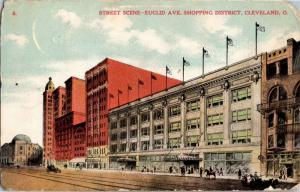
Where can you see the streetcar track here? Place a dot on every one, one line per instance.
(99, 182)
(167, 186)
(110, 182)
(53, 180)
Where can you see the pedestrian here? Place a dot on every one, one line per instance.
(221, 171)
(201, 171)
(239, 174)
(154, 169)
(182, 171)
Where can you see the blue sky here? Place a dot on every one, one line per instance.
(63, 38)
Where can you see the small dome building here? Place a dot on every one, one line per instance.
(21, 151)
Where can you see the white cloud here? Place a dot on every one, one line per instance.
(27, 107)
(187, 45)
(118, 28)
(278, 38)
(69, 17)
(151, 40)
(216, 24)
(20, 40)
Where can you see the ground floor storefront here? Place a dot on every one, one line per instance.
(227, 161)
(283, 164)
(97, 163)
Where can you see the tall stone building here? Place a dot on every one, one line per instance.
(280, 108)
(209, 121)
(48, 124)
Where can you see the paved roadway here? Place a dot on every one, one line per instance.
(39, 179)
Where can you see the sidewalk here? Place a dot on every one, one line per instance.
(234, 177)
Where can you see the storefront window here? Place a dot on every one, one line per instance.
(233, 162)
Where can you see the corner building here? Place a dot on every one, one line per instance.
(209, 121)
(111, 84)
(280, 108)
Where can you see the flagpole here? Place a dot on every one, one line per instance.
(151, 83)
(127, 93)
(203, 61)
(182, 69)
(226, 51)
(138, 89)
(118, 98)
(255, 39)
(166, 78)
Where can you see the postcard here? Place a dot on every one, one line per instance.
(150, 95)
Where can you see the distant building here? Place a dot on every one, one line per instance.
(20, 151)
(210, 122)
(111, 84)
(280, 108)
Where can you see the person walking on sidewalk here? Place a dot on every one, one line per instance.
(201, 171)
(239, 174)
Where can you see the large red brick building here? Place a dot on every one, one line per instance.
(108, 85)
(70, 123)
(77, 116)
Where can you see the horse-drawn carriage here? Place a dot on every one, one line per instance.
(52, 168)
(257, 183)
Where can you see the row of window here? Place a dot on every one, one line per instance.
(238, 137)
(159, 129)
(212, 120)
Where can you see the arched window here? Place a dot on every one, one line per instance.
(277, 94)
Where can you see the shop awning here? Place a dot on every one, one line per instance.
(126, 159)
(182, 157)
(77, 160)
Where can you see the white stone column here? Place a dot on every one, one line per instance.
(166, 127)
(138, 132)
(183, 117)
(151, 130)
(255, 115)
(226, 116)
(128, 133)
(203, 120)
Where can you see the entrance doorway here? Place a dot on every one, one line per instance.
(289, 170)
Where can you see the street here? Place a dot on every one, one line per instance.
(39, 179)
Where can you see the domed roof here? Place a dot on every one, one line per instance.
(49, 85)
(21, 137)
